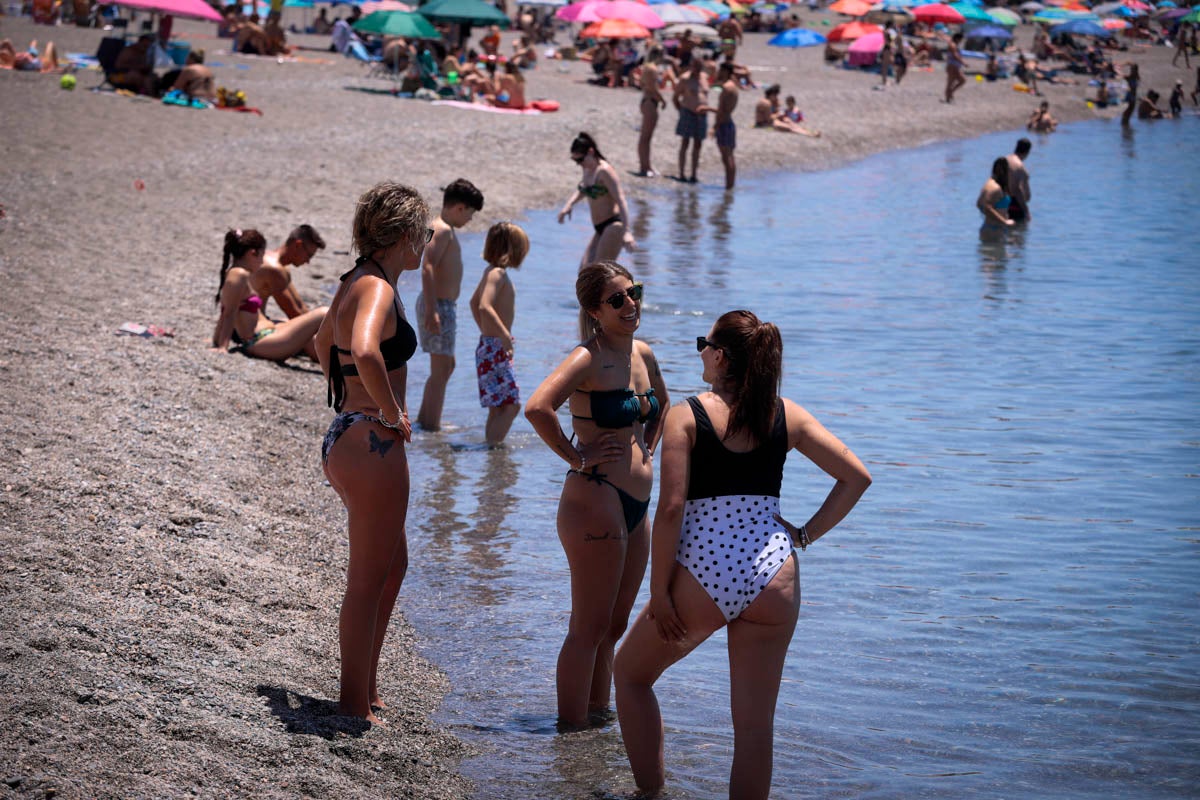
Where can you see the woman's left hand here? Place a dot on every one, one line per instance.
(662, 611)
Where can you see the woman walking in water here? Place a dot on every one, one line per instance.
(722, 554)
(606, 200)
(365, 344)
(615, 391)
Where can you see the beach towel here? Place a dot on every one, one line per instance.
(482, 107)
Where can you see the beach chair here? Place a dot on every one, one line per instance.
(106, 54)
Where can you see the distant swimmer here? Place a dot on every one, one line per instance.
(1041, 120)
(994, 201)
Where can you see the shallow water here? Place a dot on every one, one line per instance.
(1011, 610)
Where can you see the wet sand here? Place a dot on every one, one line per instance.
(173, 560)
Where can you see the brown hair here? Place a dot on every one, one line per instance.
(308, 234)
(754, 352)
(506, 245)
(237, 244)
(589, 291)
(388, 213)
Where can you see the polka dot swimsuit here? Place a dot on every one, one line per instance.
(733, 547)
(730, 543)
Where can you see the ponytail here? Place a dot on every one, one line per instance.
(583, 144)
(754, 350)
(237, 244)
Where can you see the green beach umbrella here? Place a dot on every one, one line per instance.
(1192, 16)
(970, 11)
(408, 24)
(1002, 16)
(466, 12)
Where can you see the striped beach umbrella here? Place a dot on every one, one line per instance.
(1002, 16)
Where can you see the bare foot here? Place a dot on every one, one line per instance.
(369, 716)
(378, 704)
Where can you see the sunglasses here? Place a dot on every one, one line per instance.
(577, 158)
(634, 293)
(702, 342)
(428, 235)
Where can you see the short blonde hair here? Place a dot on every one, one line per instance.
(388, 213)
(506, 245)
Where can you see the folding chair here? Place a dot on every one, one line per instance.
(106, 54)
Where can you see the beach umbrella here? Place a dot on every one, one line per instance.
(1138, 5)
(938, 12)
(796, 37)
(719, 9)
(705, 33)
(1173, 13)
(574, 12)
(865, 50)
(1166, 4)
(1031, 5)
(371, 6)
(671, 13)
(849, 31)
(397, 23)
(1126, 12)
(989, 32)
(972, 12)
(465, 12)
(197, 9)
(851, 8)
(615, 29)
(1191, 16)
(1114, 24)
(1107, 8)
(1002, 16)
(1081, 27)
(629, 10)
(763, 6)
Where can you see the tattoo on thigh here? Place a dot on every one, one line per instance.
(604, 537)
(379, 445)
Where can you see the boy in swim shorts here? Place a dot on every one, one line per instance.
(492, 305)
(441, 283)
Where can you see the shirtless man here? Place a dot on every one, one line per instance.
(652, 102)
(1041, 121)
(724, 130)
(1018, 182)
(195, 79)
(274, 278)
(690, 97)
(132, 68)
(441, 282)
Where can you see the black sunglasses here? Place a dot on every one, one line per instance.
(578, 157)
(428, 235)
(634, 293)
(702, 342)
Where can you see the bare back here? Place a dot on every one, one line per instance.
(444, 257)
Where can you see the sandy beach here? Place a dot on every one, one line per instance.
(173, 558)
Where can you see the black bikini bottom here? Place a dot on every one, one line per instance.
(600, 226)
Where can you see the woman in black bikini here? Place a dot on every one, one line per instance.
(242, 320)
(615, 392)
(610, 214)
(365, 344)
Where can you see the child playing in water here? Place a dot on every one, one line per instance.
(492, 305)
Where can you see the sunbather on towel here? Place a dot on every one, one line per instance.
(195, 79)
(510, 88)
(30, 60)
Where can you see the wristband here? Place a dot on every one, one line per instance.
(395, 426)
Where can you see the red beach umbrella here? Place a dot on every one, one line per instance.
(938, 12)
(615, 29)
(852, 30)
(851, 8)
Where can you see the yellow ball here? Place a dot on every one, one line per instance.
(67, 82)
(979, 79)
(1090, 104)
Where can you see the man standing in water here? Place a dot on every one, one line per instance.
(725, 130)
(691, 91)
(1018, 182)
(441, 282)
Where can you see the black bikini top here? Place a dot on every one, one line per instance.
(620, 408)
(396, 350)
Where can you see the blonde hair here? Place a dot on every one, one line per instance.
(506, 245)
(388, 213)
(589, 291)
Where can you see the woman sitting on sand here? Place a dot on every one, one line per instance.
(510, 88)
(195, 79)
(615, 391)
(767, 114)
(365, 344)
(994, 201)
(242, 320)
(606, 201)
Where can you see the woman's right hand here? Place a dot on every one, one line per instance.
(564, 214)
(662, 611)
(604, 449)
(402, 425)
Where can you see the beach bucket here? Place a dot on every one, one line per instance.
(178, 51)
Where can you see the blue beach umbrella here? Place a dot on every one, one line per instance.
(1082, 27)
(989, 32)
(1167, 4)
(796, 37)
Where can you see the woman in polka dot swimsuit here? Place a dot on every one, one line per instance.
(721, 554)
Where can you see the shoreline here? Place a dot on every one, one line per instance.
(175, 560)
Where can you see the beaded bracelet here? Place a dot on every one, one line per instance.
(804, 540)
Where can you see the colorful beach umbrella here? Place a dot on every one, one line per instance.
(397, 23)
(671, 13)
(197, 9)
(1191, 16)
(1082, 27)
(883, 13)
(938, 12)
(1002, 16)
(719, 9)
(615, 29)
(849, 31)
(1114, 24)
(578, 12)
(705, 33)
(971, 12)
(464, 12)
(629, 10)
(1031, 5)
(851, 8)
(796, 37)
(373, 6)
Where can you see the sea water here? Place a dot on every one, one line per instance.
(1011, 610)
